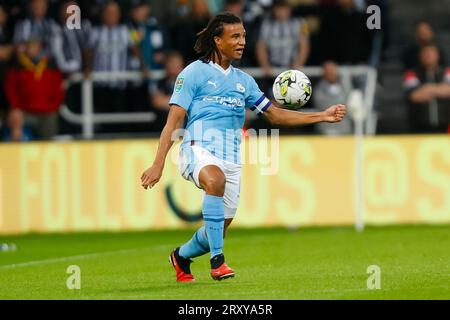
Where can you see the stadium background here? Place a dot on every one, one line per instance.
(51, 186)
(65, 184)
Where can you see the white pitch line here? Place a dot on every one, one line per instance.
(77, 257)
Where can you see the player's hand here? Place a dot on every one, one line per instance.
(151, 176)
(335, 113)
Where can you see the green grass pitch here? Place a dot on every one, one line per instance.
(310, 263)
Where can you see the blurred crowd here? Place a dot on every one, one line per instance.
(427, 82)
(39, 51)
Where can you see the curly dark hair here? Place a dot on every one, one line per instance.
(205, 44)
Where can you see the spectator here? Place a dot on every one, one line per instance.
(428, 93)
(6, 51)
(215, 6)
(15, 129)
(15, 9)
(332, 89)
(35, 86)
(36, 25)
(108, 48)
(310, 11)
(283, 40)
(69, 44)
(255, 9)
(184, 32)
(424, 35)
(92, 9)
(236, 7)
(148, 36)
(344, 36)
(380, 37)
(161, 90)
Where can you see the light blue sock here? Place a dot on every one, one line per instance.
(213, 214)
(197, 246)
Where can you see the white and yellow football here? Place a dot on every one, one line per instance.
(292, 89)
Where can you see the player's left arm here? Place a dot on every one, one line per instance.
(288, 118)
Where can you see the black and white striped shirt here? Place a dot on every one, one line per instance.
(30, 28)
(110, 47)
(68, 46)
(281, 39)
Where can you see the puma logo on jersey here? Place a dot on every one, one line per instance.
(212, 83)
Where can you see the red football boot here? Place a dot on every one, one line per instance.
(181, 266)
(219, 269)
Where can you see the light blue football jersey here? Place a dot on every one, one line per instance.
(215, 100)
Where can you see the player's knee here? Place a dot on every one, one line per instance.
(212, 180)
(215, 185)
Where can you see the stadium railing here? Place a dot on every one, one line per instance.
(361, 111)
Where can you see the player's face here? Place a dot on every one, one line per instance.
(232, 42)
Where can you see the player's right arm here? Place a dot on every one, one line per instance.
(182, 97)
(175, 120)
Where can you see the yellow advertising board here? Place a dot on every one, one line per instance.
(301, 181)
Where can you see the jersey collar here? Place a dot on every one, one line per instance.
(218, 67)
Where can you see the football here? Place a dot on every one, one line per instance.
(292, 89)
